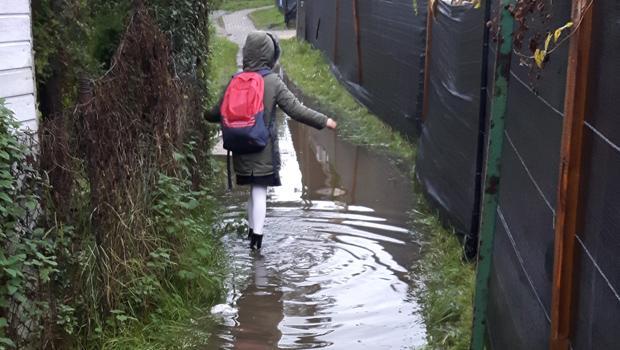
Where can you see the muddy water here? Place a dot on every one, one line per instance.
(334, 269)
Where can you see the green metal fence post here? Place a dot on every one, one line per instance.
(492, 173)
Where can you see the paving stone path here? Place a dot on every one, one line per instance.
(237, 25)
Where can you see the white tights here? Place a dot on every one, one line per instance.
(257, 208)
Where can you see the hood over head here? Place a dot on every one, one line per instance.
(261, 50)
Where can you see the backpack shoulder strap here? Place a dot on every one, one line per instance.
(265, 72)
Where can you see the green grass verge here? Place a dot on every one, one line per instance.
(268, 19)
(446, 287)
(447, 284)
(236, 5)
(222, 65)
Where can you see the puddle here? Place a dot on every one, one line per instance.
(334, 269)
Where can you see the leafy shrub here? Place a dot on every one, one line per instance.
(27, 259)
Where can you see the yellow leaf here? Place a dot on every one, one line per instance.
(547, 41)
(558, 32)
(477, 5)
(539, 57)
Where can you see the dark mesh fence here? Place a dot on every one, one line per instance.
(598, 245)
(386, 76)
(448, 145)
(391, 40)
(524, 244)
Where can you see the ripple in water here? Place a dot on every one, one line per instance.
(334, 269)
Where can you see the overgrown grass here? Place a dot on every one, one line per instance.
(447, 284)
(179, 320)
(222, 65)
(195, 270)
(306, 68)
(236, 5)
(183, 280)
(267, 19)
(446, 287)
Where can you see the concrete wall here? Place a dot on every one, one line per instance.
(16, 60)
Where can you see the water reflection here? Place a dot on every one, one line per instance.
(333, 272)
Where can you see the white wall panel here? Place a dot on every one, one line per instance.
(14, 28)
(23, 107)
(16, 61)
(14, 6)
(15, 55)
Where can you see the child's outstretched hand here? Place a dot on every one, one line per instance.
(331, 124)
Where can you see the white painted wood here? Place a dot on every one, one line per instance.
(15, 55)
(23, 107)
(15, 28)
(14, 6)
(16, 61)
(16, 82)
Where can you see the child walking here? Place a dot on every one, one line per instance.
(260, 169)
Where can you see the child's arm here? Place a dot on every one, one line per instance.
(214, 115)
(296, 110)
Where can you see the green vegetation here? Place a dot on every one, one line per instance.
(267, 19)
(222, 65)
(309, 70)
(194, 273)
(26, 256)
(110, 237)
(236, 5)
(447, 284)
(181, 278)
(446, 288)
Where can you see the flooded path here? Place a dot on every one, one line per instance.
(334, 271)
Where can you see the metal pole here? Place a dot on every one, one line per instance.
(337, 32)
(492, 174)
(471, 244)
(358, 45)
(427, 59)
(568, 218)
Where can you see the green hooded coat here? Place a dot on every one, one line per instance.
(261, 50)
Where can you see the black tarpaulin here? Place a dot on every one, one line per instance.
(391, 53)
(598, 243)
(528, 188)
(511, 292)
(448, 145)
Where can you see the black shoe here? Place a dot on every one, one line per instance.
(256, 241)
(253, 240)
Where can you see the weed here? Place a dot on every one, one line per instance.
(446, 283)
(194, 269)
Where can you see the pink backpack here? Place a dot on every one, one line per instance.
(243, 113)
